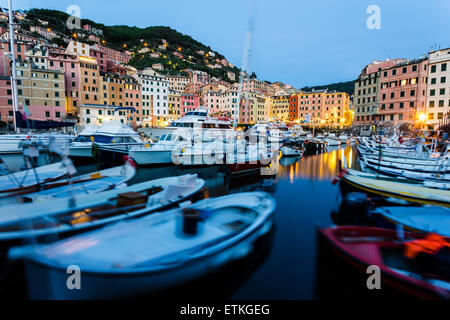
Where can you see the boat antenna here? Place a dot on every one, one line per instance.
(13, 72)
(244, 65)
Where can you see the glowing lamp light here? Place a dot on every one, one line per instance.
(422, 117)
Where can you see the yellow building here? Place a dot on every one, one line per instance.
(40, 91)
(174, 105)
(279, 107)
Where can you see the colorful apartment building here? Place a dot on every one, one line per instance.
(189, 102)
(366, 94)
(41, 93)
(280, 107)
(89, 81)
(403, 92)
(438, 95)
(111, 89)
(155, 88)
(132, 98)
(177, 83)
(70, 65)
(174, 105)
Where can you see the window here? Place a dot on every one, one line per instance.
(47, 114)
(433, 81)
(432, 92)
(57, 114)
(442, 91)
(433, 69)
(443, 79)
(441, 103)
(444, 67)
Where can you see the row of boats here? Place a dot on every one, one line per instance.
(127, 240)
(395, 215)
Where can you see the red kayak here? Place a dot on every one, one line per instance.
(417, 265)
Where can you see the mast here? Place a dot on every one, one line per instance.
(13, 59)
(245, 58)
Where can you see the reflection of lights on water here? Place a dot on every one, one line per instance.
(296, 169)
(333, 160)
(350, 157)
(291, 174)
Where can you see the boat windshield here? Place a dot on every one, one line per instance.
(97, 138)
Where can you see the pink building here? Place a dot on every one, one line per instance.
(245, 111)
(70, 65)
(403, 91)
(200, 76)
(189, 102)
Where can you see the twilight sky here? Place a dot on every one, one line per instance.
(300, 42)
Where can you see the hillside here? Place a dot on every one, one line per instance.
(142, 43)
(347, 86)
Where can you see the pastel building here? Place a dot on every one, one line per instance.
(280, 107)
(177, 83)
(154, 88)
(438, 95)
(174, 105)
(132, 98)
(189, 102)
(70, 65)
(403, 92)
(366, 94)
(40, 92)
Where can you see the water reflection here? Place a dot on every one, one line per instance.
(318, 166)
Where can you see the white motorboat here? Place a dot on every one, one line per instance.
(152, 253)
(110, 133)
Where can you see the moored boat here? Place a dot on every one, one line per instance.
(94, 182)
(415, 218)
(71, 215)
(415, 192)
(28, 179)
(156, 252)
(423, 276)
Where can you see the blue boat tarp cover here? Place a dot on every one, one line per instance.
(22, 122)
(425, 218)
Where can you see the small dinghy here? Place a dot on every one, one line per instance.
(81, 185)
(155, 252)
(418, 218)
(28, 179)
(44, 222)
(414, 264)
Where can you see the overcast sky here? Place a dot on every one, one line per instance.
(298, 42)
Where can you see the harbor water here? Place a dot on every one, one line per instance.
(284, 266)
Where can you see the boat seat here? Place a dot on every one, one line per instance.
(131, 198)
